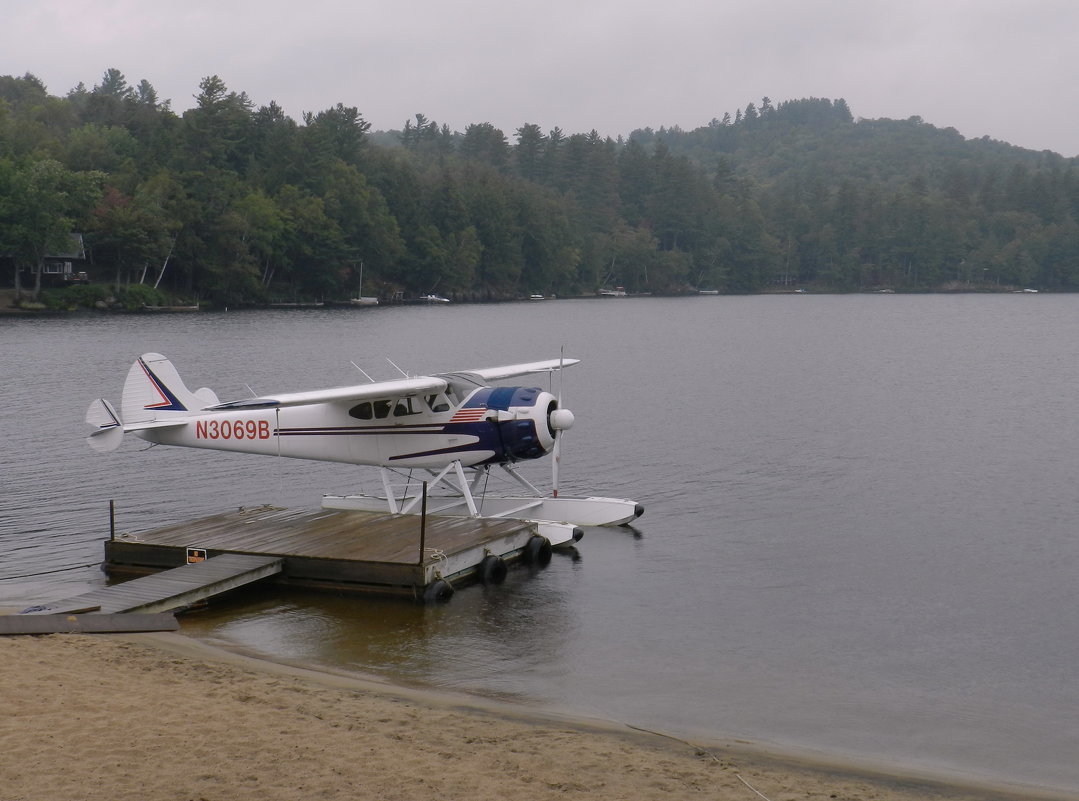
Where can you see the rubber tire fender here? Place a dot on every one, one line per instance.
(438, 591)
(537, 551)
(492, 570)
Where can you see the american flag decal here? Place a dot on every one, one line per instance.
(473, 415)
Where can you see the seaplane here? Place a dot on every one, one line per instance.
(435, 439)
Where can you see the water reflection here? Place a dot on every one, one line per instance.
(483, 641)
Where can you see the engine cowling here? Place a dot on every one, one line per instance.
(526, 420)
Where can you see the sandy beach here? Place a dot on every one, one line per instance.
(163, 716)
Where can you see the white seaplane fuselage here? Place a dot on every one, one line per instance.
(448, 422)
(366, 433)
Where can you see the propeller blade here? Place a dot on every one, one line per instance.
(555, 459)
(561, 419)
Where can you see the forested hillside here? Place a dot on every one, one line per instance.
(238, 204)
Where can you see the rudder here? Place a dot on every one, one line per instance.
(153, 390)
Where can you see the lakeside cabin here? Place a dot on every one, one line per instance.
(57, 269)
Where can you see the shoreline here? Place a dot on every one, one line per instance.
(785, 757)
(123, 712)
(8, 309)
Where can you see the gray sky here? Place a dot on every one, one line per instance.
(1003, 68)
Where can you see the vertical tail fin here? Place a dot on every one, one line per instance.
(154, 389)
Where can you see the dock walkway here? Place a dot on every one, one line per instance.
(169, 589)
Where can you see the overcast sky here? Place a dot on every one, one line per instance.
(1002, 68)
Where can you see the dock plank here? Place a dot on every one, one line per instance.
(369, 536)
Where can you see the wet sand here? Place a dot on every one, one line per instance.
(163, 716)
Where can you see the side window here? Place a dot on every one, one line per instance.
(438, 403)
(381, 409)
(362, 411)
(405, 406)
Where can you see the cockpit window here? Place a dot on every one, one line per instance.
(404, 407)
(368, 410)
(438, 402)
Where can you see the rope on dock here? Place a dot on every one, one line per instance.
(436, 553)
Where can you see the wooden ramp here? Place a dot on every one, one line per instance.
(169, 589)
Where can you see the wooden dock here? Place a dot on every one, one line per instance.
(358, 551)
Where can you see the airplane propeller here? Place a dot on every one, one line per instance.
(561, 419)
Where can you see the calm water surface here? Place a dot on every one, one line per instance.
(860, 527)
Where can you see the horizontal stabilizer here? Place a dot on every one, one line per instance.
(109, 430)
(155, 424)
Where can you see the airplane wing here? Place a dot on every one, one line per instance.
(398, 388)
(511, 370)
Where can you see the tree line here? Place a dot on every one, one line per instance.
(228, 203)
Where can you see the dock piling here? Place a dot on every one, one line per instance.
(423, 525)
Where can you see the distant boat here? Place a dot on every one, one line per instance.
(194, 308)
(617, 292)
(432, 298)
(360, 300)
(536, 297)
(800, 292)
(707, 291)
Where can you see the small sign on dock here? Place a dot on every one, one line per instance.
(196, 555)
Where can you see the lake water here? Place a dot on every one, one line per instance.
(860, 526)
